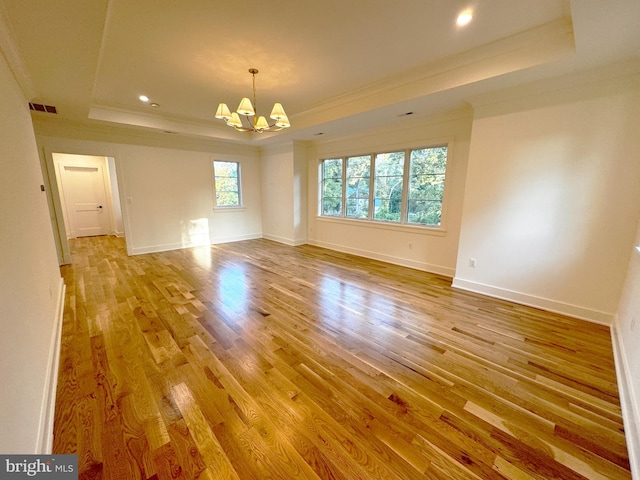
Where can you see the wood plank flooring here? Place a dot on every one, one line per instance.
(255, 360)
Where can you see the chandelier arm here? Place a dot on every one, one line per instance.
(273, 128)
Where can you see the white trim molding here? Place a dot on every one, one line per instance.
(47, 415)
(403, 262)
(629, 401)
(286, 241)
(554, 306)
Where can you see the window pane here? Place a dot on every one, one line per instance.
(389, 172)
(358, 173)
(426, 185)
(332, 187)
(227, 183)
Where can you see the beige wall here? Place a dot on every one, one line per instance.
(552, 200)
(31, 290)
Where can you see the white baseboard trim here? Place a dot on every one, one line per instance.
(178, 246)
(286, 241)
(582, 313)
(236, 238)
(403, 262)
(158, 248)
(629, 401)
(47, 415)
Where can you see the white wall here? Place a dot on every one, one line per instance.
(118, 223)
(284, 193)
(278, 194)
(170, 202)
(31, 290)
(552, 199)
(167, 193)
(300, 193)
(416, 247)
(626, 337)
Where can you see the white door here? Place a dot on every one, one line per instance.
(85, 199)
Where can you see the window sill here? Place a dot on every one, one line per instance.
(377, 225)
(229, 209)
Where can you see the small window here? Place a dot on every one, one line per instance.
(227, 183)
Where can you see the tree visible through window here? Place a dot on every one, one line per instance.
(426, 185)
(227, 183)
(406, 186)
(332, 187)
(358, 173)
(389, 179)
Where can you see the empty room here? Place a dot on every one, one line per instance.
(343, 240)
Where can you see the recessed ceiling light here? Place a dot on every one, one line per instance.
(143, 98)
(155, 105)
(464, 18)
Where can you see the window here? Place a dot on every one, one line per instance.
(405, 186)
(388, 186)
(227, 183)
(358, 173)
(332, 187)
(426, 186)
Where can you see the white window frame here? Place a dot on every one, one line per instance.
(239, 184)
(403, 224)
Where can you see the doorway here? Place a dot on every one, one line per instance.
(89, 201)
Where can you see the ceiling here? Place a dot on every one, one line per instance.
(336, 66)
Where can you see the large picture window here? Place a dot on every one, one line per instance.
(227, 183)
(404, 186)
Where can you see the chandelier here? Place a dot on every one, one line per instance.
(248, 109)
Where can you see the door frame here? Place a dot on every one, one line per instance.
(96, 165)
(53, 195)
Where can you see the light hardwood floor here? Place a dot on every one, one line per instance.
(255, 360)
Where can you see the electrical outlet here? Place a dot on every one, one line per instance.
(473, 263)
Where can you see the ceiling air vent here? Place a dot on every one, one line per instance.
(38, 107)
